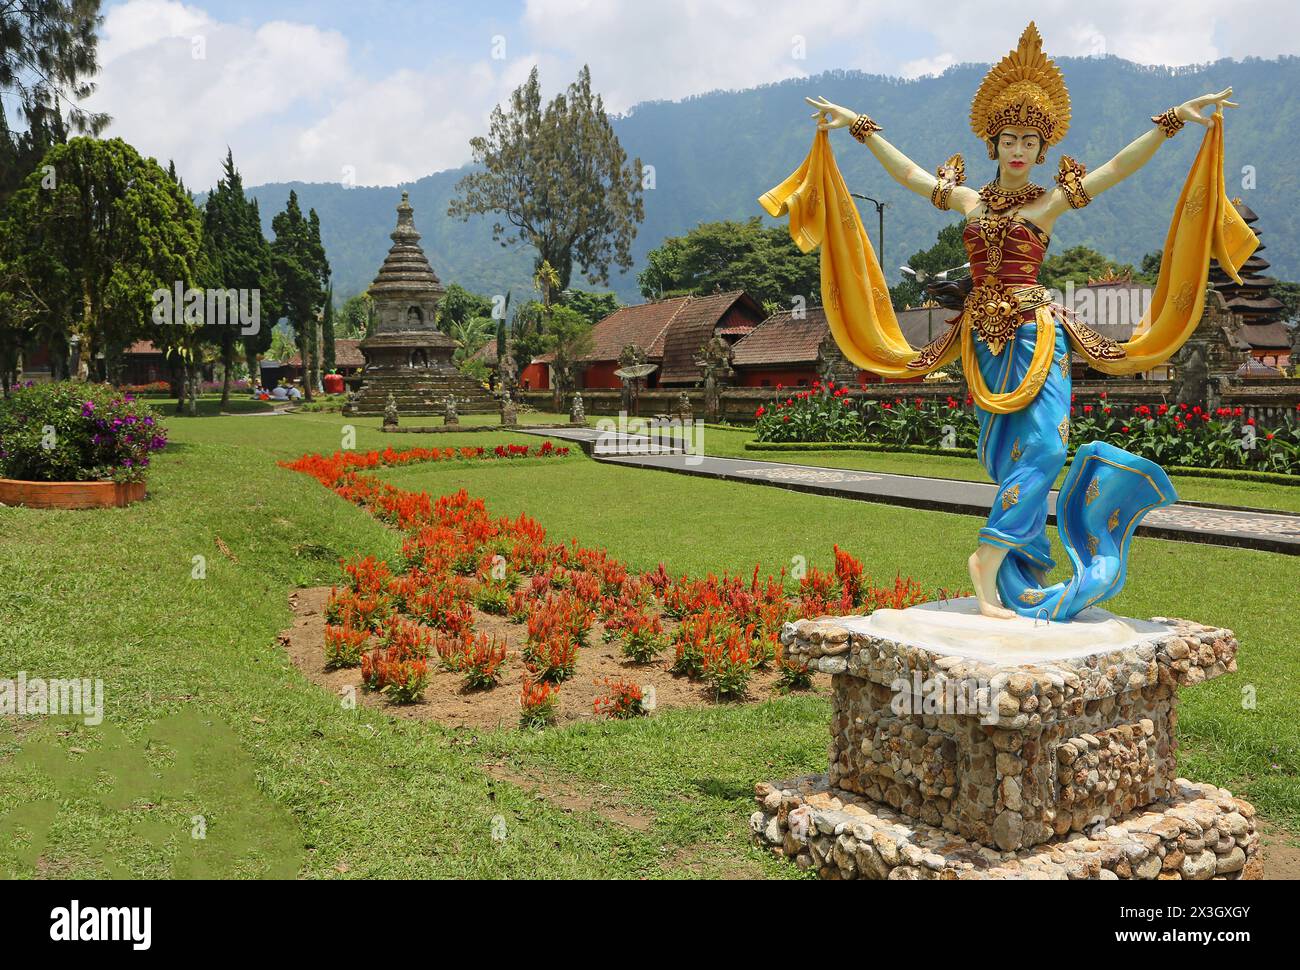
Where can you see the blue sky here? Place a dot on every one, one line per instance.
(378, 93)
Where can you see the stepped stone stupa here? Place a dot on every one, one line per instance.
(406, 355)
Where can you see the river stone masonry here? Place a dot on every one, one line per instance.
(995, 761)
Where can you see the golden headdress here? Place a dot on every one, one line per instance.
(1025, 89)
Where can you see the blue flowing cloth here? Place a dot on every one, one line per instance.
(1105, 494)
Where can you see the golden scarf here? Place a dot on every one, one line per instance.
(856, 298)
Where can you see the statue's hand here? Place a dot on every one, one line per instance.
(1191, 110)
(831, 115)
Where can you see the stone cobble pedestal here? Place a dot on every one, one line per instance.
(1006, 741)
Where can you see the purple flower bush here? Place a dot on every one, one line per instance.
(71, 431)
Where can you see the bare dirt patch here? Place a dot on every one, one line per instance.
(447, 702)
(1280, 850)
(605, 802)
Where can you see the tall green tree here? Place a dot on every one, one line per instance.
(239, 258)
(87, 252)
(48, 54)
(762, 260)
(327, 332)
(459, 306)
(592, 307)
(558, 177)
(353, 320)
(1076, 265)
(302, 274)
(568, 338)
(321, 267)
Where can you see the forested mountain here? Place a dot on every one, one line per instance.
(714, 154)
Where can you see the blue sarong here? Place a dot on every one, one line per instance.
(1105, 494)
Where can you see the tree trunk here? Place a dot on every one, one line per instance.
(227, 364)
(254, 372)
(87, 315)
(304, 347)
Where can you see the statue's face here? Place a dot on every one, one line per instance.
(1018, 150)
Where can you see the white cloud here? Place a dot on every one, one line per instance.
(288, 100)
(927, 66)
(284, 96)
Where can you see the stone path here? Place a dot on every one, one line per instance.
(1183, 521)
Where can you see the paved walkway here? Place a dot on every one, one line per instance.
(1183, 521)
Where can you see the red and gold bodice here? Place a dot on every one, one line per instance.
(1006, 252)
(1005, 246)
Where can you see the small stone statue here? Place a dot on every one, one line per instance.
(577, 413)
(390, 412)
(509, 413)
(684, 412)
(449, 413)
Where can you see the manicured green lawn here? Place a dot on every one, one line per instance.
(289, 780)
(730, 443)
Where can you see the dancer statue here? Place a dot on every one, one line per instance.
(1013, 341)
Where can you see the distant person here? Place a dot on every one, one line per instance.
(281, 393)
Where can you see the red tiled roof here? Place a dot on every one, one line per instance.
(143, 347)
(782, 339)
(347, 353)
(644, 325)
(693, 328)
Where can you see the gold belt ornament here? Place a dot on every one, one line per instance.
(994, 309)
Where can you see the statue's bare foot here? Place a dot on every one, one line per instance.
(986, 589)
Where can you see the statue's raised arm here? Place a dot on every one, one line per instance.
(1135, 154)
(901, 168)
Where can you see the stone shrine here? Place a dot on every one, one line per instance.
(407, 357)
(966, 747)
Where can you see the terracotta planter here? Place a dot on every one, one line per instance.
(70, 495)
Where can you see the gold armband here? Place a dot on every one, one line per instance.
(1070, 178)
(951, 174)
(862, 128)
(1169, 122)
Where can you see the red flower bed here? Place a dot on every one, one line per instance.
(455, 554)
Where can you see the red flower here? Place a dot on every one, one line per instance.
(1125, 428)
(760, 412)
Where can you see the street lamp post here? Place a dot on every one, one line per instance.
(880, 212)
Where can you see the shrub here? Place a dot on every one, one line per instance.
(643, 638)
(727, 664)
(792, 676)
(820, 413)
(538, 704)
(405, 680)
(411, 639)
(481, 661)
(493, 598)
(624, 700)
(344, 646)
(552, 659)
(71, 431)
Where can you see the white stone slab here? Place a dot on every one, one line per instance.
(956, 628)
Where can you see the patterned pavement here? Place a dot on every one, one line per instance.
(1185, 522)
